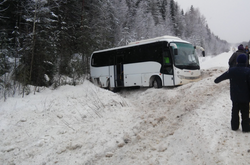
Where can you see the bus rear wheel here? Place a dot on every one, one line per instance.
(157, 83)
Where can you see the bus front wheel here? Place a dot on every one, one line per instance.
(157, 83)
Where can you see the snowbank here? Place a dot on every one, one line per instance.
(87, 125)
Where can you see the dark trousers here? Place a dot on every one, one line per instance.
(244, 109)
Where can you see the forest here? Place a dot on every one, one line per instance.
(47, 43)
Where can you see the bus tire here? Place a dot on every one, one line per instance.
(157, 83)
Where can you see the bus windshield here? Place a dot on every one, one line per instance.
(186, 57)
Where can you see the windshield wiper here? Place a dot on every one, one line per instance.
(192, 64)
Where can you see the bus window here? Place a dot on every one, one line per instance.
(166, 60)
(186, 57)
(101, 59)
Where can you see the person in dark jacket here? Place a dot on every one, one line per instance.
(247, 52)
(233, 58)
(239, 77)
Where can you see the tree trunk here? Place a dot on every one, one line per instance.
(34, 42)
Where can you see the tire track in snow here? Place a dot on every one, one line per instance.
(164, 112)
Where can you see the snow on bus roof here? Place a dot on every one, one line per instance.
(168, 38)
(162, 38)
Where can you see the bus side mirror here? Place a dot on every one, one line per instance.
(175, 51)
(201, 48)
(203, 53)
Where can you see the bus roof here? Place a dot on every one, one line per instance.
(151, 40)
(162, 38)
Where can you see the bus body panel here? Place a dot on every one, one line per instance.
(99, 71)
(132, 80)
(100, 75)
(139, 74)
(183, 76)
(146, 79)
(146, 67)
(103, 82)
(168, 80)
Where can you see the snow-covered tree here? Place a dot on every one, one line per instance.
(37, 59)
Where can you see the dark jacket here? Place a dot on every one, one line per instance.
(239, 77)
(247, 52)
(233, 58)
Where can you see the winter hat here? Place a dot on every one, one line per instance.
(242, 58)
(240, 47)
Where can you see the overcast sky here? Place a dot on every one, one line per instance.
(228, 19)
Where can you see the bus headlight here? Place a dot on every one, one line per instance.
(180, 77)
(188, 78)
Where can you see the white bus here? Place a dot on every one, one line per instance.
(157, 62)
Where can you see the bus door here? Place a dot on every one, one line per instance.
(119, 74)
(112, 72)
(167, 68)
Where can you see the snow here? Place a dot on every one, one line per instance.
(87, 125)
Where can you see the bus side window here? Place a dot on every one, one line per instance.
(101, 59)
(166, 58)
(127, 56)
(93, 61)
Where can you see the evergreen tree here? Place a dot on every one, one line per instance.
(102, 23)
(36, 67)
